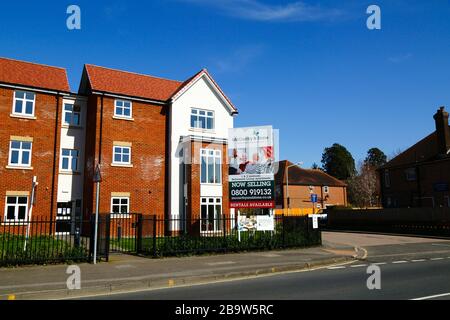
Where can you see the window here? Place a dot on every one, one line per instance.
(122, 155)
(120, 205)
(326, 189)
(123, 109)
(211, 169)
(211, 214)
(69, 160)
(20, 153)
(24, 103)
(72, 114)
(202, 119)
(387, 179)
(410, 174)
(16, 208)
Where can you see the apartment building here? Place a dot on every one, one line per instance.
(160, 144)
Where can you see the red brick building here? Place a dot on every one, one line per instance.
(160, 144)
(293, 189)
(420, 176)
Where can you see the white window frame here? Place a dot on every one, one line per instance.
(120, 215)
(20, 164)
(196, 112)
(205, 201)
(16, 209)
(70, 158)
(123, 108)
(216, 154)
(114, 155)
(24, 104)
(71, 124)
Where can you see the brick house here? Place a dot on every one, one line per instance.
(302, 183)
(420, 176)
(160, 144)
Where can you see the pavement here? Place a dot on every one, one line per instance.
(127, 273)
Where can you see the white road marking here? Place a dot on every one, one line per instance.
(335, 268)
(380, 263)
(419, 260)
(432, 297)
(358, 266)
(436, 259)
(220, 263)
(398, 262)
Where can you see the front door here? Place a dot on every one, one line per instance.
(64, 217)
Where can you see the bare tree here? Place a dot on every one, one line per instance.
(363, 190)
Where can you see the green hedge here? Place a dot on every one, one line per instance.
(39, 250)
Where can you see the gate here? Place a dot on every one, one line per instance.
(124, 232)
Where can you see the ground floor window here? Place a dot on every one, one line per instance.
(120, 205)
(16, 208)
(211, 214)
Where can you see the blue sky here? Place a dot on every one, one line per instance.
(310, 68)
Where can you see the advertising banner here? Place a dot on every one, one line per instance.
(252, 165)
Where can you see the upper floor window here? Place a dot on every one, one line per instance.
(69, 160)
(123, 109)
(16, 208)
(411, 174)
(72, 114)
(24, 103)
(122, 155)
(20, 153)
(387, 179)
(202, 119)
(211, 166)
(326, 189)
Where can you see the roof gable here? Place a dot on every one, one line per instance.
(424, 150)
(130, 84)
(33, 75)
(205, 75)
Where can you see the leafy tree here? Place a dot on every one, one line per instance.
(315, 166)
(338, 162)
(375, 158)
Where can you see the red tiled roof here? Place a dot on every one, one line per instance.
(306, 177)
(131, 84)
(33, 75)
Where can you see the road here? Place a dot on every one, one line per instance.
(411, 268)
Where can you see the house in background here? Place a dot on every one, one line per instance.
(293, 190)
(420, 176)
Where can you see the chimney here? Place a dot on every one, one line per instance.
(442, 131)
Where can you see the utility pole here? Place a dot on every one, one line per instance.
(97, 179)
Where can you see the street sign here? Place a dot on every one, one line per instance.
(315, 222)
(314, 198)
(97, 174)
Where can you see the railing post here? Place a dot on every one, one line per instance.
(154, 235)
(283, 232)
(139, 234)
(107, 235)
(224, 232)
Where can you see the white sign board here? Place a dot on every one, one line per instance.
(265, 223)
(315, 222)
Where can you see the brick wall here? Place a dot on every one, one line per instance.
(45, 151)
(300, 196)
(145, 181)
